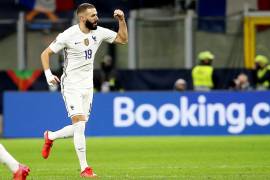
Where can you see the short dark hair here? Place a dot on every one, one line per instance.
(82, 7)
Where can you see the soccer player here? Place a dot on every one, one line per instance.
(80, 43)
(20, 172)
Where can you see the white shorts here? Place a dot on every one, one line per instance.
(78, 101)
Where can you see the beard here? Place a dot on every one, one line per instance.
(90, 26)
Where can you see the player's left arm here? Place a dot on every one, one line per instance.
(122, 34)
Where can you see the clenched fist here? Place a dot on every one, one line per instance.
(118, 14)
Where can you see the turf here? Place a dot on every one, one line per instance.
(233, 157)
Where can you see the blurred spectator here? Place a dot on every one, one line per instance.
(262, 73)
(240, 83)
(108, 79)
(203, 75)
(180, 85)
(46, 7)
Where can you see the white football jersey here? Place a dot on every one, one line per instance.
(79, 53)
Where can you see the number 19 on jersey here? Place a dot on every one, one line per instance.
(88, 54)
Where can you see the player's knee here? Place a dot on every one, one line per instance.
(78, 118)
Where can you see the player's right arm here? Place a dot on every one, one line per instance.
(45, 60)
(57, 45)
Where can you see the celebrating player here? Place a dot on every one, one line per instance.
(20, 172)
(80, 43)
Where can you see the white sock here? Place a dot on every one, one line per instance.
(7, 159)
(79, 143)
(65, 132)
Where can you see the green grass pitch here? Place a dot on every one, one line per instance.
(223, 157)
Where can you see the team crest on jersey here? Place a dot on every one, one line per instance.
(94, 38)
(86, 42)
(72, 107)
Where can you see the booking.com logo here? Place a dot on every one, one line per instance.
(198, 114)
